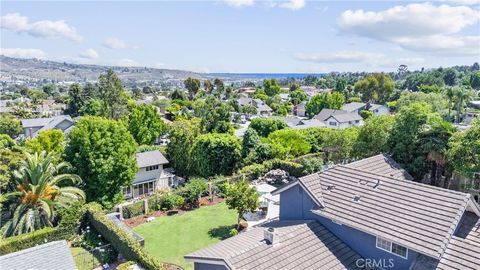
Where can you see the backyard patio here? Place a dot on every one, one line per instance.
(169, 238)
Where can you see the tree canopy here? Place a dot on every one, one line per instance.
(145, 124)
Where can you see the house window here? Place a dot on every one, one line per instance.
(332, 123)
(151, 168)
(388, 246)
(127, 192)
(357, 121)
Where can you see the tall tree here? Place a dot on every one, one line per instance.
(40, 194)
(182, 134)
(11, 156)
(450, 93)
(215, 154)
(145, 124)
(464, 150)
(271, 87)
(111, 93)
(75, 99)
(265, 126)
(192, 85)
(102, 152)
(375, 88)
(324, 101)
(10, 125)
(373, 136)
(464, 95)
(49, 141)
(208, 86)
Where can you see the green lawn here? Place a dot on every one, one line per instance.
(83, 259)
(169, 238)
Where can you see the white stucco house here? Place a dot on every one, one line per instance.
(33, 126)
(151, 175)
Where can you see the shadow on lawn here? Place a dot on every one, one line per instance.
(222, 232)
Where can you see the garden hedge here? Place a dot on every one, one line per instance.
(123, 242)
(39, 237)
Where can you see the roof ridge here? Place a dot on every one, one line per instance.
(405, 181)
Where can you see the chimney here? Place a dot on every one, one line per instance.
(271, 236)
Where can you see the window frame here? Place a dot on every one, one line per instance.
(390, 250)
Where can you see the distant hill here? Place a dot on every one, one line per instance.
(31, 70)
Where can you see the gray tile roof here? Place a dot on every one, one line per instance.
(150, 158)
(35, 122)
(347, 117)
(51, 256)
(463, 251)
(381, 164)
(353, 106)
(418, 216)
(324, 114)
(303, 245)
(309, 124)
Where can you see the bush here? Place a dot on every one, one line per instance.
(253, 171)
(39, 237)
(311, 164)
(193, 190)
(233, 232)
(72, 216)
(169, 201)
(121, 241)
(134, 209)
(294, 169)
(126, 266)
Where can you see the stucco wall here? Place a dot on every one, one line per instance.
(296, 204)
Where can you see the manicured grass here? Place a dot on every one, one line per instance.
(83, 259)
(170, 238)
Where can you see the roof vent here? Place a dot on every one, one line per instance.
(356, 198)
(271, 236)
(377, 184)
(330, 187)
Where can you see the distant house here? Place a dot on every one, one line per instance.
(151, 175)
(356, 107)
(54, 255)
(339, 118)
(34, 125)
(470, 116)
(262, 108)
(300, 109)
(299, 123)
(363, 215)
(284, 97)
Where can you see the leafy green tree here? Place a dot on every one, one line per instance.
(50, 141)
(182, 134)
(298, 96)
(192, 85)
(373, 136)
(324, 101)
(249, 109)
(376, 87)
(413, 81)
(39, 194)
(450, 93)
(464, 151)
(215, 154)
(93, 107)
(253, 149)
(10, 125)
(288, 143)
(405, 143)
(339, 144)
(429, 88)
(450, 76)
(147, 89)
(208, 86)
(475, 80)
(219, 86)
(178, 94)
(49, 89)
(271, 87)
(340, 85)
(111, 93)
(265, 126)
(242, 198)
(102, 152)
(214, 114)
(435, 100)
(145, 124)
(11, 156)
(365, 114)
(75, 99)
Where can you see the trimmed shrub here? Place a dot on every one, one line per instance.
(134, 209)
(294, 169)
(39, 237)
(126, 266)
(253, 171)
(121, 241)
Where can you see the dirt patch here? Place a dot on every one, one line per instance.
(138, 220)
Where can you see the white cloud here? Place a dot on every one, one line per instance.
(418, 27)
(125, 62)
(89, 54)
(114, 43)
(46, 29)
(239, 3)
(23, 53)
(365, 58)
(463, 2)
(293, 4)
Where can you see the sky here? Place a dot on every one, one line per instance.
(246, 36)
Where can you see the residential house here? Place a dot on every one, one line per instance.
(300, 109)
(54, 255)
(363, 215)
(356, 107)
(151, 175)
(34, 125)
(299, 123)
(470, 116)
(339, 118)
(262, 108)
(284, 97)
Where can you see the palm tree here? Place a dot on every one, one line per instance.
(450, 93)
(38, 194)
(464, 95)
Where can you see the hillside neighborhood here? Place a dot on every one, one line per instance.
(240, 135)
